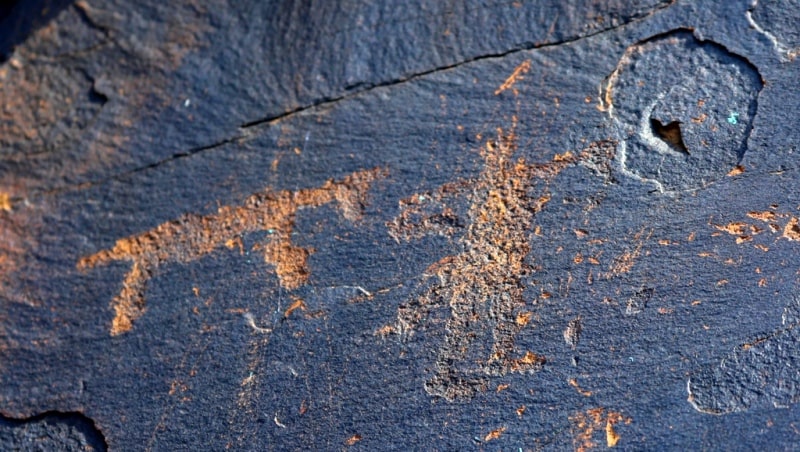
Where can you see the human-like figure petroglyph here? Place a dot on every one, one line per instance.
(483, 286)
(192, 236)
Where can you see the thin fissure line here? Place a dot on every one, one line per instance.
(326, 101)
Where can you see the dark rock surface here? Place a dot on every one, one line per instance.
(51, 431)
(327, 225)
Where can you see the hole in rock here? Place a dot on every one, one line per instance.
(669, 134)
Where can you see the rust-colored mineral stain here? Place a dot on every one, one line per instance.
(492, 267)
(612, 438)
(191, 237)
(792, 230)
(734, 228)
(737, 170)
(585, 424)
(765, 216)
(574, 383)
(298, 304)
(523, 318)
(494, 434)
(353, 439)
(530, 358)
(5, 202)
(624, 262)
(745, 232)
(385, 331)
(515, 76)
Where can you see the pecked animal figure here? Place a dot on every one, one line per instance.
(193, 236)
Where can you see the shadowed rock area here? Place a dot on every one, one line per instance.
(491, 225)
(51, 431)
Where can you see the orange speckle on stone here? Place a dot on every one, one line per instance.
(585, 424)
(5, 202)
(494, 434)
(353, 439)
(765, 216)
(385, 330)
(737, 170)
(565, 157)
(574, 383)
(735, 228)
(792, 230)
(523, 318)
(298, 304)
(515, 76)
(612, 438)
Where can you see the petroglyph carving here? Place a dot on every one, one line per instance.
(683, 110)
(761, 372)
(192, 236)
(482, 286)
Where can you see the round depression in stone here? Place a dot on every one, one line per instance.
(683, 109)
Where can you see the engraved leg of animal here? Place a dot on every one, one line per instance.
(192, 236)
(129, 305)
